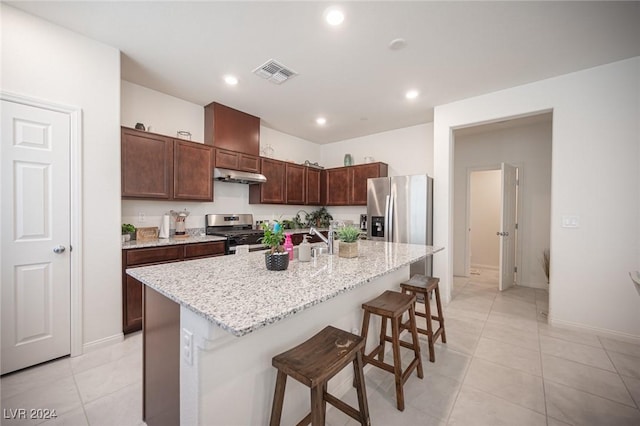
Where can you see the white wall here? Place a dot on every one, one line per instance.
(485, 199)
(44, 61)
(595, 175)
(527, 145)
(165, 114)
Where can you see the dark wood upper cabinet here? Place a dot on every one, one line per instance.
(359, 176)
(230, 129)
(159, 167)
(237, 161)
(338, 186)
(296, 187)
(192, 165)
(344, 186)
(273, 190)
(147, 165)
(313, 187)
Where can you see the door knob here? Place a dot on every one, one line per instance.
(59, 249)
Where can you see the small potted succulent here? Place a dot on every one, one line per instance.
(348, 236)
(128, 232)
(276, 259)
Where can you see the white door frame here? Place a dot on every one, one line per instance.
(467, 241)
(75, 192)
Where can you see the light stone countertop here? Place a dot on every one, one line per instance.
(238, 293)
(191, 239)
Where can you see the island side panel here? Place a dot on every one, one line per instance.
(161, 359)
(231, 379)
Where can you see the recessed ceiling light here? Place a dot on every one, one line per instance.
(230, 80)
(334, 16)
(321, 121)
(411, 94)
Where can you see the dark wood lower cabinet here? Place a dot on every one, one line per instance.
(161, 360)
(132, 289)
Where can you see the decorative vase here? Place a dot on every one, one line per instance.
(276, 261)
(348, 250)
(348, 160)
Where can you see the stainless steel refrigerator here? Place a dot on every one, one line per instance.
(400, 209)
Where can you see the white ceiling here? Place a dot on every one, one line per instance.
(348, 74)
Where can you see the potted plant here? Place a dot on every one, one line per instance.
(276, 259)
(319, 218)
(348, 236)
(128, 232)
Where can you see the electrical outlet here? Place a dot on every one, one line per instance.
(187, 346)
(142, 217)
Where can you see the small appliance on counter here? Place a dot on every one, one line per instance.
(237, 228)
(180, 217)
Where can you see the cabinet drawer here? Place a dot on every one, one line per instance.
(153, 255)
(203, 250)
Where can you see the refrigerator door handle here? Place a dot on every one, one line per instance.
(391, 218)
(386, 217)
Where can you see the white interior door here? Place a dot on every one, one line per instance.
(507, 233)
(35, 224)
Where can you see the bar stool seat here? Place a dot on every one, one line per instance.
(392, 305)
(423, 285)
(313, 363)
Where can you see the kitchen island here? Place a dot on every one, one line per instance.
(233, 316)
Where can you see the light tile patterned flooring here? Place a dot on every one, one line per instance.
(503, 365)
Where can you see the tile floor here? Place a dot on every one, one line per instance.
(503, 365)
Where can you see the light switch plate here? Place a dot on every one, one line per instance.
(570, 221)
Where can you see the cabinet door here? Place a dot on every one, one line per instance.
(231, 129)
(192, 251)
(249, 163)
(192, 168)
(295, 183)
(273, 190)
(226, 159)
(237, 161)
(146, 165)
(132, 305)
(338, 186)
(313, 187)
(359, 176)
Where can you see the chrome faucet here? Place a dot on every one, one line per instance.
(328, 240)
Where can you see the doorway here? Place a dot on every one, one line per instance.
(526, 143)
(492, 218)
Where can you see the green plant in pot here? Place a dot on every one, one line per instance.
(320, 218)
(128, 232)
(276, 259)
(348, 236)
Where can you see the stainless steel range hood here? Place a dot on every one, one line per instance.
(236, 176)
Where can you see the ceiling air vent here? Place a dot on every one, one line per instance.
(274, 71)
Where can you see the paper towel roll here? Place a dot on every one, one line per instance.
(164, 227)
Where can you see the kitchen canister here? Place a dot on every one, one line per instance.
(348, 160)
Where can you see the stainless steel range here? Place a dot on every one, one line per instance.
(237, 228)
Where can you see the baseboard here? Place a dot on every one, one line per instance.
(101, 343)
(594, 330)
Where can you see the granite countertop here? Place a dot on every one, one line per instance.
(238, 294)
(191, 239)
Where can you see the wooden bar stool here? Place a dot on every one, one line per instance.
(392, 305)
(313, 363)
(419, 284)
